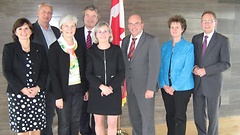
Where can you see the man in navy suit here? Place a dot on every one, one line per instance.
(90, 17)
(45, 34)
(212, 57)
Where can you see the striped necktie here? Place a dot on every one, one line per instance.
(89, 40)
(132, 48)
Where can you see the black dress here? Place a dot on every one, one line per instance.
(27, 114)
(105, 67)
(28, 70)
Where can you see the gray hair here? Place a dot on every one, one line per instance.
(97, 27)
(45, 4)
(67, 18)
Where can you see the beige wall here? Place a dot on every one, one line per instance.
(155, 14)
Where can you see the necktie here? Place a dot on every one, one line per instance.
(204, 46)
(132, 48)
(89, 40)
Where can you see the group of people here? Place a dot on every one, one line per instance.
(79, 72)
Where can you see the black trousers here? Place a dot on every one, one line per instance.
(69, 116)
(176, 107)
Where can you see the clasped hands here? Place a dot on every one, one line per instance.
(168, 89)
(106, 90)
(30, 92)
(199, 71)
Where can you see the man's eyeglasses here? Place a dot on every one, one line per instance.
(208, 21)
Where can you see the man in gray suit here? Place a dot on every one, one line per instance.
(212, 57)
(142, 63)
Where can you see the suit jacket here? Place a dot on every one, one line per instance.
(38, 36)
(142, 71)
(59, 69)
(215, 60)
(14, 66)
(80, 37)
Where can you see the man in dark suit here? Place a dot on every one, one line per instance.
(90, 17)
(212, 57)
(45, 35)
(141, 55)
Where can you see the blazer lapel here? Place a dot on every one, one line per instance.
(34, 52)
(125, 47)
(139, 45)
(19, 51)
(56, 32)
(211, 44)
(41, 36)
(83, 33)
(200, 42)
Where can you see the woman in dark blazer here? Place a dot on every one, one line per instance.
(105, 72)
(25, 68)
(67, 72)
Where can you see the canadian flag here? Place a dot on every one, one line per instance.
(117, 24)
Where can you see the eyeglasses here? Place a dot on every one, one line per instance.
(102, 32)
(208, 21)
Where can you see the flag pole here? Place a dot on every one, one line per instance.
(119, 131)
(118, 30)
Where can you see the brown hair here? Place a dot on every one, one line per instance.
(180, 19)
(92, 8)
(20, 22)
(210, 12)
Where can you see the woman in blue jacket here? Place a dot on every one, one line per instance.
(175, 76)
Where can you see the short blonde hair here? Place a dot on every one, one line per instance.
(97, 27)
(67, 18)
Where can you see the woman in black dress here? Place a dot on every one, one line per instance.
(105, 73)
(25, 68)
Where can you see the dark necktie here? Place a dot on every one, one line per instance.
(204, 46)
(89, 40)
(132, 48)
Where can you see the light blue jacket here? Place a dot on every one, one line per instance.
(181, 65)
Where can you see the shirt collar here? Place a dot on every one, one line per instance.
(86, 30)
(49, 28)
(138, 36)
(209, 35)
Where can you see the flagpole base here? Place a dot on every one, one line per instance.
(119, 132)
